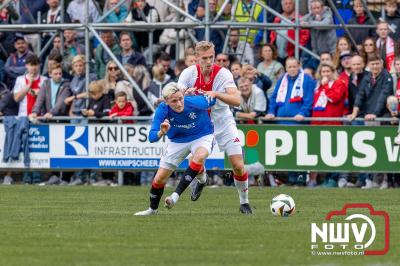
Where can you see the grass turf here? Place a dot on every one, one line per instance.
(95, 226)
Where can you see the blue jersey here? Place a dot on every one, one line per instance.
(192, 123)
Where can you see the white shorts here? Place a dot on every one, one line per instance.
(175, 153)
(228, 140)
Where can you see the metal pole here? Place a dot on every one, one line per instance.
(221, 10)
(176, 8)
(207, 21)
(346, 29)
(297, 30)
(229, 28)
(5, 4)
(300, 46)
(151, 40)
(192, 37)
(123, 70)
(111, 10)
(120, 177)
(273, 12)
(39, 21)
(177, 45)
(47, 45)
(87, 49)
(368, 12)
(62, 22)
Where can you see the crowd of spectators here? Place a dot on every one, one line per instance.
(352, 78)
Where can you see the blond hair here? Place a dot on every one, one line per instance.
(203, 46)
(170, 89)
(96, 87)
(78, 58)
(331, 66)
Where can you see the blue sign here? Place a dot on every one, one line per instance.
(39, 138)
(76, 140)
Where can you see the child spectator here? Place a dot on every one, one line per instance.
(99, 103)
(27, 86)
(122, 107)
(393, 18)
(360, 18)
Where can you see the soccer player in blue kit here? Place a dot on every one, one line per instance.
(186, 122)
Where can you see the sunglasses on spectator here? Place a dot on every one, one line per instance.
(369, 44)
(113, 68)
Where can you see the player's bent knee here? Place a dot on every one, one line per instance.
(200, 156)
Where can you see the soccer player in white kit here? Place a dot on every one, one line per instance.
(209, 78)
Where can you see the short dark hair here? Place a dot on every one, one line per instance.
(32, 60)
(373, 57)
(164, 56)
(121, 94)
(180, 64)
(273, 49)
(125, 33)
(56, 56)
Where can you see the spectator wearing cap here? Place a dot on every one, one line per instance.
(15, 64)
(344, 76)
(342, 44)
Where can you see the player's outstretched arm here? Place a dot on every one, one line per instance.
(203, 102)
(230, 97)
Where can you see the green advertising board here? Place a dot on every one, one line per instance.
(321, 148)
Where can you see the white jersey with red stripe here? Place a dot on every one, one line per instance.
(221, 115)
(225, 130)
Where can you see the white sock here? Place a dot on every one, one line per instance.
(243, 190)
(175, 197)
(202, 178)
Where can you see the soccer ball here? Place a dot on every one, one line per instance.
(282, 205)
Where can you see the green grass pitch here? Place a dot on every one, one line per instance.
(95, 226)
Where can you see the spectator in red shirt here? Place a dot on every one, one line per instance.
(329, 98)
(285, 48)
(122, 107)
